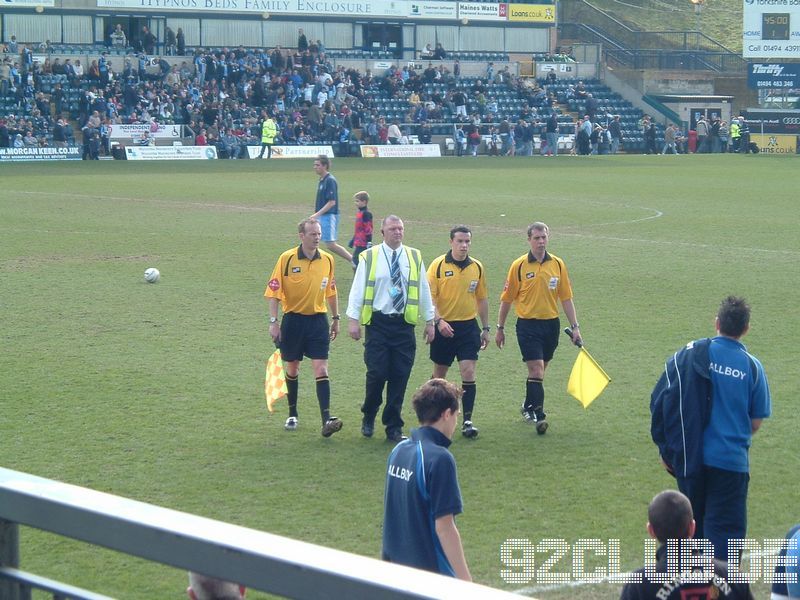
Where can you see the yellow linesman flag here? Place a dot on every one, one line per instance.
(587, 379)
(275, 380)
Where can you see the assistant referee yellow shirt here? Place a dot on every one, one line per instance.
(302, 284)
(536, 287)
(456, 290)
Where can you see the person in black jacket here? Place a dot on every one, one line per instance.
(684, 567)
(650, 139)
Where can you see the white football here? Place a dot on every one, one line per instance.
(152, 275)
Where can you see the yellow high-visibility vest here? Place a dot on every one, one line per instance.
(411, 313)
(268, 131)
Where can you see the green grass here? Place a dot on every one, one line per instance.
(721, 20)
(155, 392)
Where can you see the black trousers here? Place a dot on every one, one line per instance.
(389, 349)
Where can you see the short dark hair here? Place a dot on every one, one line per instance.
(324, 161)
(670, 515)
(434, 398)
(460, 229)
(734, 316)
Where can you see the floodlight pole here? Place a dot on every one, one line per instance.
(698, 12)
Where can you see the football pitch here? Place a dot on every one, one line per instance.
(155, 391)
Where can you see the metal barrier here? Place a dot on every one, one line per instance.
(645, 49)
(259, 560)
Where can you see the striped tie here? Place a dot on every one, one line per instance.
(397, 282)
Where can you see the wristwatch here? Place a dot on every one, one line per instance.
(500, 327)
(273, 319)
(335, 317)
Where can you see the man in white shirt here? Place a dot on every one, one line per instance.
(390, 295)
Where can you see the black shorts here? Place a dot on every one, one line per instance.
(304, 335)
(465, 343)
(538, 338)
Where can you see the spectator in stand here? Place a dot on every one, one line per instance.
(302, 41)
(59, 135)
(439, 53)
(77, 69)
(650, 139)
(118, 37)
(4, 138)
(591, 107)
(551, 134)
(5, 76)
(93, 74)
(180, 40)
(13, 47)
(473, 138)
(425, 133)
(94, 145)
(383, 132)
(30, 140)
(426, 52)
(615, 129)
(170, 42)
(145, 140)
(201, 140)
(148, 41)
(394, 134)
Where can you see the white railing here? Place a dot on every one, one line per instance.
(259, 560)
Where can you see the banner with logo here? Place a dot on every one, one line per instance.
(402, 151)
(292, 151)
(316, 8)
(771, 29)
(482, 11)
(44, 3)
(171, 153)
(28, 154)
(433, 10)
(773, 76)
(135, 131)
(775, 143)
(773, 121)
(532, 13)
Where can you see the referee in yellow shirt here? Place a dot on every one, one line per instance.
(302, 282)
(458, 288)
(535, 282)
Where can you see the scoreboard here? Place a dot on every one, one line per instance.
(775, 26)
(771, 29)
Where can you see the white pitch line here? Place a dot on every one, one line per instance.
(177, 203)
(565, 232)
